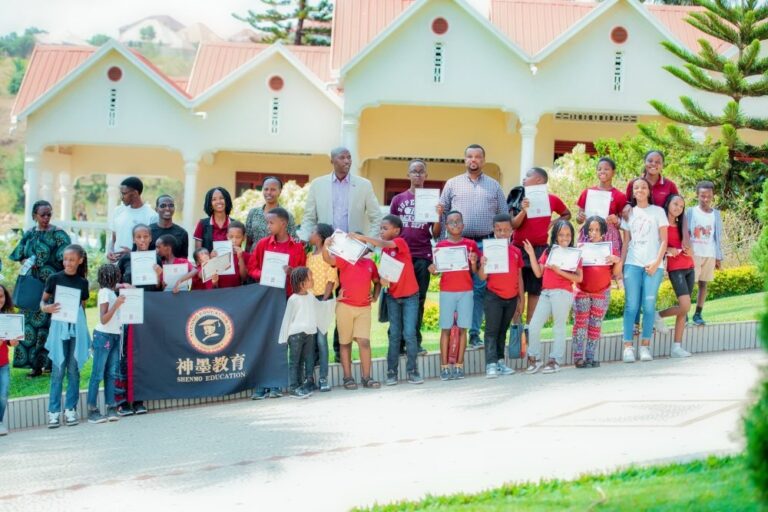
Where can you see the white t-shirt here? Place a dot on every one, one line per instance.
(643, 226)
(702, 230)
(124, 221)
(107, 296)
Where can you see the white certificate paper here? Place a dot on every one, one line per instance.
(225, 247)
(496, 252)
(538, 197)
(598, 203)
(215, 265)
(346, 248)
(171, 275)
(566, 258)
(426, 205)
(451, 259)
(596, 254)
(389, 268)
(11, 327)
(132, 310)
(273, 269)
(69, 300)
(142, 268)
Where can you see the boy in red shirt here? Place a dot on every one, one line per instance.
(402, 299)
(278, 241)
(353, 312)
(502, 300)
(236, 236)
(456, 295)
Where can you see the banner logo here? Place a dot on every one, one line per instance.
(209, 330)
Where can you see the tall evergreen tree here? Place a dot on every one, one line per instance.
(737, 167)
(300, 22)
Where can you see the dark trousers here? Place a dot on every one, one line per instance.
(498, 317)
(421, 269)
(301, 357)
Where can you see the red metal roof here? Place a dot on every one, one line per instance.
(159, 73)
(673, 17)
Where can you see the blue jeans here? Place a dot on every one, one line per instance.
(640, 291)
(5, 384)
(403, 318)
(478, 298)
(57, 380)
(106, 358)
(321, 344)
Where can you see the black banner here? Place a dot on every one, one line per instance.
(208, 343)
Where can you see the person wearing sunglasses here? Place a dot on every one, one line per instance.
(166, 207)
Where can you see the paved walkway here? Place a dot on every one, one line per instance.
(342, 449)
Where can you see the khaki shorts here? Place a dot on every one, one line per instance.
(353, 322)
(704, 268)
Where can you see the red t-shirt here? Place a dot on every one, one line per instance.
(219, 232)
(507, 285)
(232, 280)
(553, 281)
(659, 192)
(407, 284)
(197, 281)
(682, 261)
(295, 251)
(536, 230)
(356, 281)
(597, 279)
(461, 280)
(4, 354)
(618, 200)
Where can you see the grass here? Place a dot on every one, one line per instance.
(729, 309)
(712, 484)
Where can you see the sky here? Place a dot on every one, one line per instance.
(85, 18)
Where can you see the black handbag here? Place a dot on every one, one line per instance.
(28, 292)
(515, 347)
(383, 311)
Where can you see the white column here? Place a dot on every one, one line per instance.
(191, 168)
(349, 129)
(113, 196)
(31, 186)
(46, 186)
(66, 193)
(528, 132)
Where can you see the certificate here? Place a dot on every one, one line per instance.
(389, 268)
(273, 269)
(565, 258)
(172, 274)
(538, 198)
(225, 247)
(11, 327)
(346, 248)
(142, 268)
(598, 203)
(496, 252)
(596, 254)
(450, 259)
(132, 310)
(215, 265)
(69, 301)
(426, 205)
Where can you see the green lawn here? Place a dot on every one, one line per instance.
(729, 309)
(713, 484)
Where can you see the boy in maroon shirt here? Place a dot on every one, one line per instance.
(278, 241)
(236, 235)
(402, 299)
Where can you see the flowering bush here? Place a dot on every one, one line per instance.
(292, 198)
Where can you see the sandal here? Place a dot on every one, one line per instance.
(580, 363)
(349, 383)
(370, 383)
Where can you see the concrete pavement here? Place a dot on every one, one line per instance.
(351, 448)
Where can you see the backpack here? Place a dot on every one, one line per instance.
(207, 233)
(514, 200)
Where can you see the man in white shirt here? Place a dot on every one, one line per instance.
(133, 211)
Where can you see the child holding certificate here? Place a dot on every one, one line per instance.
(456, 295)
(603, 200)
(325, 279)
(6, 307)
(593, 294)
(106, 346)
(165, 246)
(201, 257)
(67, 343)
(556, 299)
(236, 236)
(502, 299)
(142, 238)
(397, 274)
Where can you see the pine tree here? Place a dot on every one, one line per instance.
(736, 167)
(300, 22)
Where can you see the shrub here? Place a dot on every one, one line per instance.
(292, 198)
(760, 250)
(434, 283)
(756, 428)
(431, 321)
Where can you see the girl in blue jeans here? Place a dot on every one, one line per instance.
(645, 244)
(6, 307)
(106, 346)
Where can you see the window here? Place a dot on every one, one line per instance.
(112, 110)
(274, 117)
(392, 187)
(566, 146)
(252, 180)
(618, 71)
(437, 64)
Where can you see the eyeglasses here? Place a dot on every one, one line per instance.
(166, 205)
(47, 214)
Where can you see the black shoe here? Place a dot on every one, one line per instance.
(124, 410)
(475, 341)
(138, 408)
(34, 373)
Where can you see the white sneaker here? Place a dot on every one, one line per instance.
(54, 419)
(645, 354)
(552, 367)
(490, 371)
(3, 429)
(679, 351)
(70, 417)
(629, 355)
(659, 324)
(534, 367)
(503, 369)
